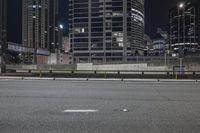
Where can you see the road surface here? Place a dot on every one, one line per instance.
(47, 106)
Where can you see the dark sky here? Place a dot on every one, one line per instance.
(156, 12)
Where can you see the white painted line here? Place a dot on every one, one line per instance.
(125, 110)
(80, 111)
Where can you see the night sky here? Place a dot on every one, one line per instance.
(156, 12)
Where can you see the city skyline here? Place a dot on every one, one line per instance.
(156, 12)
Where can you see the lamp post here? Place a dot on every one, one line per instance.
(180, 49)
(60, 42)
(61, 27)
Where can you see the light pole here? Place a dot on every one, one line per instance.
(60, 42)
(180, 49)
(61, 27)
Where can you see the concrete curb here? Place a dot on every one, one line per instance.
(99, 79)
(12, 78)
(179, 80)
(141, 80)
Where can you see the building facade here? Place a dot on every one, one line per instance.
(40, 27)
(184, 28)
(106, 30)
(160, 43)
(53, 25)
(3, 31)
(148, 43)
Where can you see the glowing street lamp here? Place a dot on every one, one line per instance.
(61, 26)
(181, 5)
(60, 41)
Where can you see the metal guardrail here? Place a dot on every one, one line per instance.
(103, 71)
(105, 74)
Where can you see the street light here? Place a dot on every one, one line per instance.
(60, 42)
(181, 6)
(61, 26)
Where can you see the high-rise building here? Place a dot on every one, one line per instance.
(160, 43)
(40, 28)
(53, 26)
(3, 32)
(184, 28)
(106, 30)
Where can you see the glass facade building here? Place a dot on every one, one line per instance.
(53, 25)
(40, 24)
(184, 28)
(106, 30)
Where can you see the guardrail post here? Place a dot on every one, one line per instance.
(118, 72)
(167, 73)
(194, 73)
(29, 71)
(176, 75)
(40, 74)
(72, 72)
(142, 72)
(50, 73)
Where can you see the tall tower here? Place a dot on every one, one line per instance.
(35, 23)
(106, 31)
(40, 25)
(184, 28)
(53, 25)
(137, 25)
(3, 32)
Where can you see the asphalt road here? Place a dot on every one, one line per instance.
(107, 107)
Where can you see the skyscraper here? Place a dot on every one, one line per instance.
(184, 28)
(53, 25)
(40, 25)
(3, 32)
(106, 30)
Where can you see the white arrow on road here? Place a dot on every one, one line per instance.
(80, 111)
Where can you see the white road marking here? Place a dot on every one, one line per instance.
(80, 111)
(125, 110)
